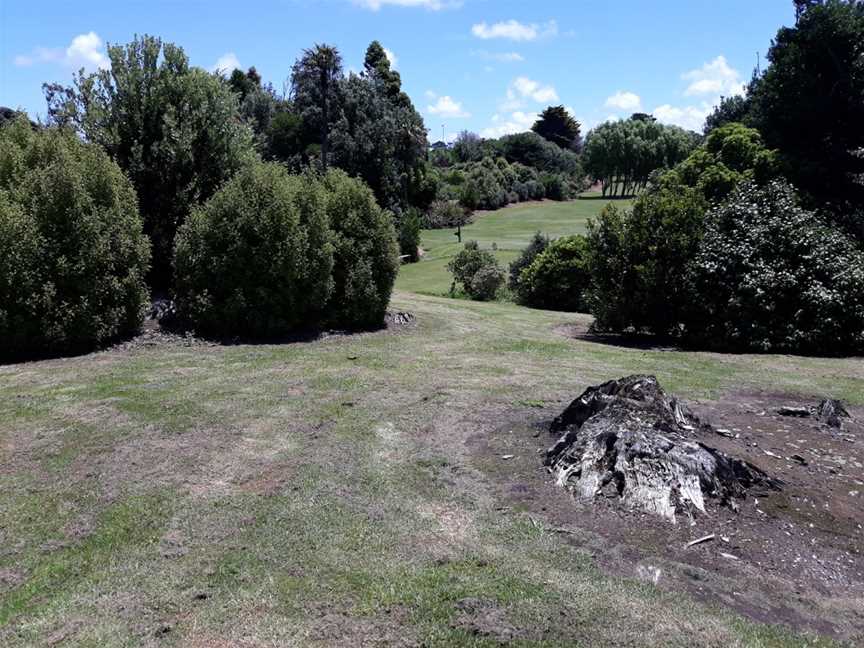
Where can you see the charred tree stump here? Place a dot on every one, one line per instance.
(626, 438)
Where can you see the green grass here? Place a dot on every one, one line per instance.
(327, 492)
(509, 229)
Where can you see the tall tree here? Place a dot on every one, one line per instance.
(557, 125)
(315, 85)
(809, 103)
(172, 128)
(380, 137)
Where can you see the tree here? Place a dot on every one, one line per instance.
(315, 87)
(809, 103)
(172, 128)
(730, 110)
(468, 147)
(556, 125)
(380, 137)
(623, 154)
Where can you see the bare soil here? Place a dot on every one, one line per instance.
(793, 557)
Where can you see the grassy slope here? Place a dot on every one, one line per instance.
(509, 229)
(324, 491)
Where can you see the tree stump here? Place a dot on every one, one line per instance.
(626, 438)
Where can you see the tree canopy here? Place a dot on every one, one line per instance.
(172, 128)
(557, 125)
(623, 154)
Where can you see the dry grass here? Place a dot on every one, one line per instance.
(324, 493)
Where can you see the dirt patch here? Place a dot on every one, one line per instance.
(483, 618)
(805, 542)
(339, 629)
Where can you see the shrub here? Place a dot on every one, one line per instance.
(557, 277)
(174, 129)
(73, 255)
(409, 236)
(478, 272)
(555, 187)
(537, 244)
(771, 276)
(486, 282)
(638, 260)
(445, 213)
(365, 253)
(256, 259)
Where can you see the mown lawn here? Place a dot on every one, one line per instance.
(508, 229)
(327, 493)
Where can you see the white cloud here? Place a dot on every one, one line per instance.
(689, 117)
(515, 122)
(227, 63)
(714, 78)
(500, 57)
(624, 101)
(394, 61)
(85, 50)
(447, 107)
(709, 82)
(515, 30)
(522, 88)
(432, 5)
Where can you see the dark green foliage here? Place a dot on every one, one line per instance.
(172, 128)
(445, 213)
(365, 254)
(730, 110)
(557, 277)
(809, 104)
(378, 135)
(468, 147)
(555, 187)
(532, 150)
(409, 236)
(638, 260)
(556, 125)
(72, 252)
(771, 276)
(477, 271)
(316, 93)
(538, 243)
(286, 138)
(623, 154)
(257, 259)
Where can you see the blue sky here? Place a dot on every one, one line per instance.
(482, 65)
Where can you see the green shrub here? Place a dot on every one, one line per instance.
(557, 277)
(445, 213)
(365, 253)
(555, 187)
(771, 276)
(478, 272)
(638, 260)
(536, 245)
(409, 236)
(256, 259)
(72, 252)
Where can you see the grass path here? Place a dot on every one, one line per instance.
(325, 493)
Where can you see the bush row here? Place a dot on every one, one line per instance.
(267, 255)
(717, 253)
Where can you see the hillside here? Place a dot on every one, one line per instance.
(360, 490)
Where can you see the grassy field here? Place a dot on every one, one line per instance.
(509, 229)
(330, 492)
